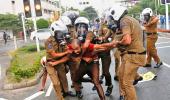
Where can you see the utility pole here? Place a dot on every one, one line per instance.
(34, 22)
(167, 16)
(23, 25)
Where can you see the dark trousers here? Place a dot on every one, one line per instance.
(106, 61)
(92, 69)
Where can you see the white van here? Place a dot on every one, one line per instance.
(42, 34)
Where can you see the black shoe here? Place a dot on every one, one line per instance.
(94, 88)
(109, 90)
(79, 94)
(69, 93)
(101, 77)
(137, 80)
(122, 98)
(101, 81)
(116, 78)
(72, 86)
(147, 65)
(158, 65)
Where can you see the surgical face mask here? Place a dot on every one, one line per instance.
(147, 17)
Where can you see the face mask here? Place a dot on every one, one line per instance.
(59, 37)
(81, 32)
(146, 17)
(113, 25)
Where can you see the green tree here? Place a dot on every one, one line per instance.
(84, 14)
(91, 13)
(29, 23)
(10, 22)
(42, 23)
(158, 9)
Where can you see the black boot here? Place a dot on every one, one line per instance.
(109, 90)
(147, 65)
(116, 78)
(158, 65)
(79, 94)
(137, 80)
(101, 77)
(69, 93)
(122, 98)
(72, 86)
(94, 88)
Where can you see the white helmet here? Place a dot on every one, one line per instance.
(82, 20)
(58, 26)
(117, 11)
(147, 11)
(66, 20)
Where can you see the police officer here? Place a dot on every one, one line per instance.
(56, 56)
(105, 58)
(150, 24)
(131, 48)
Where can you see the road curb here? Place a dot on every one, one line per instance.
(23, 84)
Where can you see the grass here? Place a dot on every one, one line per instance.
(25, 63)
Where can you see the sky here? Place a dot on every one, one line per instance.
(99, 5)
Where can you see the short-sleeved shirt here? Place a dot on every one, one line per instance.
(131, 26)
(152, 28)
(52, 46)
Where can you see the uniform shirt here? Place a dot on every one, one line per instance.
(129, 25)
(103, 30)
(151, 26)
(52, 46)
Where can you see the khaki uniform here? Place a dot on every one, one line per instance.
(117, 37)
(105, 56)
(74, 62)
(132, 56)
(117, 61)
(152, 36)
(57, 73)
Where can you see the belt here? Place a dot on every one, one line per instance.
(151, 33)
(142, 53)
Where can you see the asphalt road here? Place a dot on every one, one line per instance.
(149, 90)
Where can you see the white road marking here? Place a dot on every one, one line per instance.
(166, 64)
(0, 72)
(162, 47)
(34, 95)
(163, 42)
(3, 99)
(163, 37)
(49, 90)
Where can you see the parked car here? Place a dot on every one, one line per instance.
(42, 34)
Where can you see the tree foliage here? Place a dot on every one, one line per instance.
(157, 9)
(42, 23)
(89, 12)
(10, 22)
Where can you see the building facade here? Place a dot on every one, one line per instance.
(16, 7)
